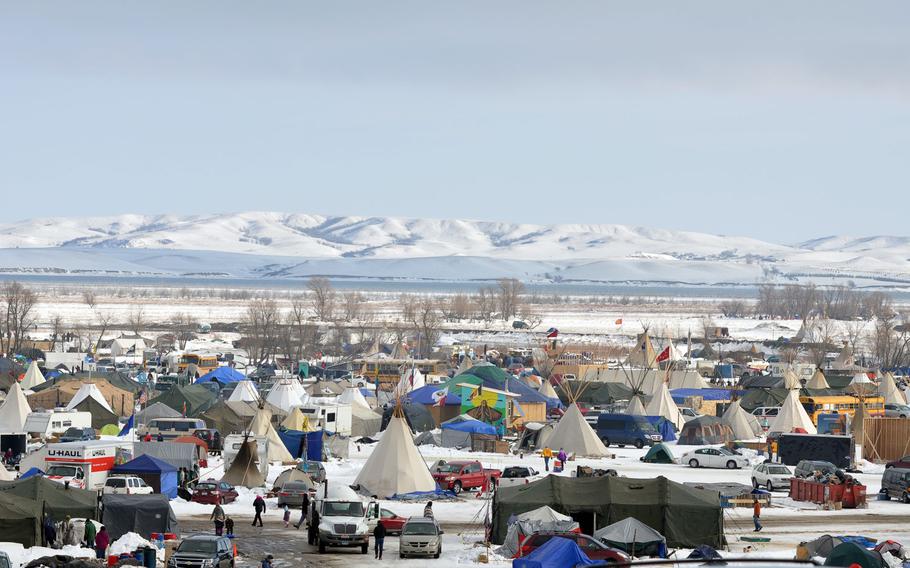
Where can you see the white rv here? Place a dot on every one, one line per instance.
(329, 416)
(49, 422)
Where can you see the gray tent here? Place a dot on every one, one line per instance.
(632, 536)
(291, 474)
(542, 519)
(141, 514)
(156, 410)
(177, 454)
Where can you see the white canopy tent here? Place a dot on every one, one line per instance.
(88, 390)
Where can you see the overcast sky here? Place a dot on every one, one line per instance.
(783, 121)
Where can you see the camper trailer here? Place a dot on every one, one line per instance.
(51, 422)
(85, 465)
(233, 443)
(330, 417)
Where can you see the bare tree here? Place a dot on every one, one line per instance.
(136, 321)
(303, 333)
(89, 299)
(891, 344)
(485, 304)
(184, 326)
(57, 330)
(732, 308)
(456, 307)
(351, 305)
(822, 334)
(18, 303)
(104, 319)
(261, 330)
(426, 323)
(408, 306)
(855, 330)
(509, 297)
(323, 297)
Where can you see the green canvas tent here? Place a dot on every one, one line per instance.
(20, 520)
(850, 554)
(686, 516)
(600, 393)
(101, 416)
(659, 453)
(59, 501)
(195, 398)
(229, 417)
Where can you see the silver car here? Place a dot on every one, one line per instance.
(771, 476)
(420, 536)
(897, 411)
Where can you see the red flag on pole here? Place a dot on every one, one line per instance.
(664, 355)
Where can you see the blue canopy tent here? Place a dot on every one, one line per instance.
(223, 375)
(159, 474)
(302, 445)
(664, 426)
(555, 553)
(424, 395)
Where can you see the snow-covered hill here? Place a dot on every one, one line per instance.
(258, 244)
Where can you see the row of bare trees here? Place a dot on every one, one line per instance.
(805, 301)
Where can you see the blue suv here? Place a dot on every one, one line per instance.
(625, 429)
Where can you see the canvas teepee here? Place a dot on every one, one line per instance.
(14, 411)
(243, 470)
(88, 390)
(354, 397)
(33, 377)
(395, 467)
(889, 390)
(547, 390)
(818, 381)
(662, 404)
(744, 425)
(643, 355)
(844, 359)
(284, 395)
(245, 391)
(261, 425)
(636, 408)
(791, 380)
(792, 415)
(574, 435)
(297, 420)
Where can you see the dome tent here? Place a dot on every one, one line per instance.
(634, 537)
(705, 430)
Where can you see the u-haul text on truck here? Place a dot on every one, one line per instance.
(85, 464)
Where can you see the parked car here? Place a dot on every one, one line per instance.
(420, 536)
(126, 485)
(688, 414)
(771, 476)
(897, 411)
(292, 493)
(211, 492)
(714, 457)
(625, 429)
(392, 522)
(315, 470)
(517, 475)
(75, 434)
(460, 475)
(595, 549)
(903, 462)
(766, 414)
(206, 550)
(896, 484)
(806, 468)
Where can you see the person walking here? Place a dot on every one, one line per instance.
(756, 513)
(547, 456)
(562, 457)
(428, 510)
(218, 517)
(229, 526)
(379, 538)
(88, 537)
(287, 516)
(259, 508)
(102, 540)
(50, 532)
(304, 507)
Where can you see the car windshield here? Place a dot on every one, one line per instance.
(63, 470)
(206, 487)
(192, 545)
(420, 528)
(778, 470)
(342, 509)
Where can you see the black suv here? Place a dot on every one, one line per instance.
(896, 483)
(806, 468)
(201, 550)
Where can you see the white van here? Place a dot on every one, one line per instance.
(50, 422)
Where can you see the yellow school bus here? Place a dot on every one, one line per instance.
(841, 404)
(388, 371)
(204, 363)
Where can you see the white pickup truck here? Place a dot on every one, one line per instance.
(126, 485)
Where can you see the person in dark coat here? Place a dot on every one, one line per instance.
(313, 528)
(304, 507)
(102, 541)
(259, 508)
(88, 536)
(379, 537)
(50, 532)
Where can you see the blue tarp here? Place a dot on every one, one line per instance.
(32, 473)
(150, 465)
(424, 395)
(664, 426)
(293, 441)
(679, 395)
(555, 553)
(223, 375)
(435, 495)
(471, 425)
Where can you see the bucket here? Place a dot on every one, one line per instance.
(112, 560)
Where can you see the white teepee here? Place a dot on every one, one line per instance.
(889, 390)
(88, 390)
(818, 381)
(33, 377)
(395, 467)
(354, 397)
(14, 411)
(636, 408)
(546, 389)
(284, 396)
(792, 415)
(574, 435)
(745, 426)
(662, 404)
(245, 391)
(411, 379)
(791, 380)
(261, 425)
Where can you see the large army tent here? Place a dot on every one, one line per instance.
(20, 520)
(395, 467)
(633, 537)
(745, 426)
(229, 417)
(191, 400)
(14, 411)
(33, 377)
(686, 516)
(101, 414)
(662, 405)
(542, 519)
(140, 514)
(158, 474)
(261, 425)
(364, 422)
(705, 430)
(792, 415)
(574, 435)
(245, 391)
(58, 500)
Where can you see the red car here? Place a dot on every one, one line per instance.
(595, 549)
(903, 463)
(391, 521)
(211, 492)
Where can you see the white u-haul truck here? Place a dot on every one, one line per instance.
(87, 464)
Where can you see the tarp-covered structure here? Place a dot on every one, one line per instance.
(634, 537)
(58, 501)
(191, 400)
(416, 415)
(851, 554)
(555, 553)
(542, 519)
(178, 455)
(157, 474)
(705, 430)
(20, 520)
(687, 517)
(141, 514)
(222, 375)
